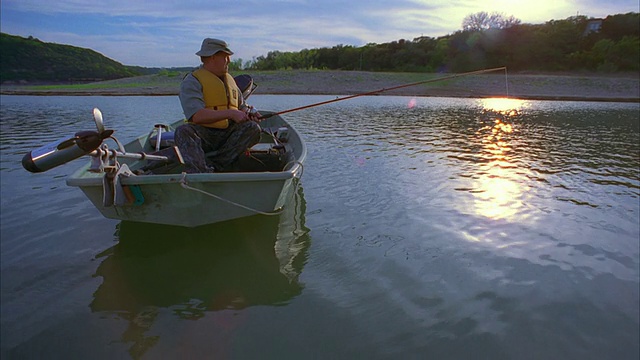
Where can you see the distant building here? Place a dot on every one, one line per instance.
(593, 25)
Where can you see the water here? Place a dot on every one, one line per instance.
(422, 228)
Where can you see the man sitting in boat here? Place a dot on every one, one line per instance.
(220, 124)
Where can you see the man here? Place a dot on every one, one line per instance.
(218, 120)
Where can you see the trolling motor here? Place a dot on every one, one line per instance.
(67, 149)
(246, 85)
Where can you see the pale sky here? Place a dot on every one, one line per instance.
(167, 33)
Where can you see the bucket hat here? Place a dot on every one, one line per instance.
(211, 46)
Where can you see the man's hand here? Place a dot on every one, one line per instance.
(254, 115)
(238, 116)
(248, 114)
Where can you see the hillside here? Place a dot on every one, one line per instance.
(28, 60)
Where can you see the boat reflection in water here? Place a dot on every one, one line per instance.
(192, 271)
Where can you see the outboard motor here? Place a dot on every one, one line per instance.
(66, 149)
(245, 84)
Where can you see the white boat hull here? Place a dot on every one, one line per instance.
(192, 200)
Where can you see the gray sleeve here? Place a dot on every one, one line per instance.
(191, 97)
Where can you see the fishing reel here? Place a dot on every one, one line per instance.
(67, 149)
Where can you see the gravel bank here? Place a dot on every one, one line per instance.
(580, 87)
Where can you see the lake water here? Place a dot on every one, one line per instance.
(423, 228)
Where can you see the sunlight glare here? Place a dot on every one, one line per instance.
(498, 195)
(498, 190)
(505, 106)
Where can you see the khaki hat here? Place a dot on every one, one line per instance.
(211, 46)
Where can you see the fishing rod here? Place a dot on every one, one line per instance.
(383, 90)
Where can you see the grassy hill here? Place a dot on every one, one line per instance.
(31, 60)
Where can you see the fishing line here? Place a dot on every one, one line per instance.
(506, 81)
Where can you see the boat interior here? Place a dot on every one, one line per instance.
(271, 153)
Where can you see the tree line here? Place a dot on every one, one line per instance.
(486, 40)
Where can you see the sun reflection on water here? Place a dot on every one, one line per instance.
(505, 106)
(499, 189)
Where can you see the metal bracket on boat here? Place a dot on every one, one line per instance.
(103, 160)
(114, 193)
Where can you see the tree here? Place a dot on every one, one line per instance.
(616, 27)
(235, 64)
(489, 40)
(557, 40)
(483, 21)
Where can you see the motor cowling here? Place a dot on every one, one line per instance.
(62, 151)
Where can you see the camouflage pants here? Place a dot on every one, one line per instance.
(221, 146)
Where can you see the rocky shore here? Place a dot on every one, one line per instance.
(576, 87)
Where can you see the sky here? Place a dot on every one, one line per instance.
(168, 33)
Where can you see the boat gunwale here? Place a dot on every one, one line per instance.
(78, 180)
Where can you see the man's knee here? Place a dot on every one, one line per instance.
(248, 130)
(181, 133)
(254, 132)
(254, 129)
(184, 130)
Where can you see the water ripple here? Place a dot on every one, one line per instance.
(463, 225)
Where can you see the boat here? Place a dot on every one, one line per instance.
(143, 181)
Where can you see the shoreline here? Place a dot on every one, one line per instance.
(557, 87)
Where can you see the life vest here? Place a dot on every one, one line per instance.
(218, 94)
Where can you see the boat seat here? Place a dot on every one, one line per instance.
(166, 140)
